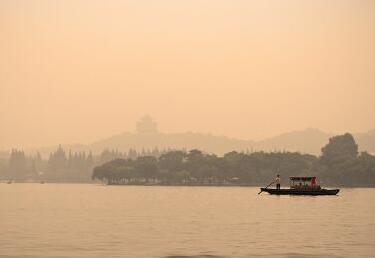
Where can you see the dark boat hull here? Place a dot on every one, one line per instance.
(300, 192)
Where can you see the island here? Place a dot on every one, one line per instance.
(340, 164)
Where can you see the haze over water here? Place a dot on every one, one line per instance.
(74, 220)
(220, 77)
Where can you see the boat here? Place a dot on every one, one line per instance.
(301, 186)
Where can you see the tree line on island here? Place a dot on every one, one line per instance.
(61, 165)
(340, 163)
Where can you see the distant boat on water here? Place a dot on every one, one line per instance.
(301, 186)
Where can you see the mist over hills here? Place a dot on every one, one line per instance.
(366, 141)
(147, 136)
(305, 141)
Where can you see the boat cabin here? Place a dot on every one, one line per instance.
(303, 183)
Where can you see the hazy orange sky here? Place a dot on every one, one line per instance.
(77, 71)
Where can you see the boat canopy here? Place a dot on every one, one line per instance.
(301, 178)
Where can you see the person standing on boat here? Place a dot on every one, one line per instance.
(278, 181)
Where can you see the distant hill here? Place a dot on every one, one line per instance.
(305, 141)
(366, 141)
(311, 141)
(188, 140)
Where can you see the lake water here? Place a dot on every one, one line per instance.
(78, 220)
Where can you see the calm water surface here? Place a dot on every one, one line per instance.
(72, 220)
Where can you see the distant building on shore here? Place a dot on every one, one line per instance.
(146, 126)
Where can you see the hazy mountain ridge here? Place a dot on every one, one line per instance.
(366, 141)
(309, 140)
(306, 141)
(188, 140)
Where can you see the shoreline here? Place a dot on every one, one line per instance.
(175, 185)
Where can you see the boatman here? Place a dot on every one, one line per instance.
(278, 181)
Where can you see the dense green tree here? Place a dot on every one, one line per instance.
(339, 161)
(146, 167)
(172, 161)
(339, 149)
(57, 159)
(17, 164)
(197, 167)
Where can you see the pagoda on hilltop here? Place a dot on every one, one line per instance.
(146, 125)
